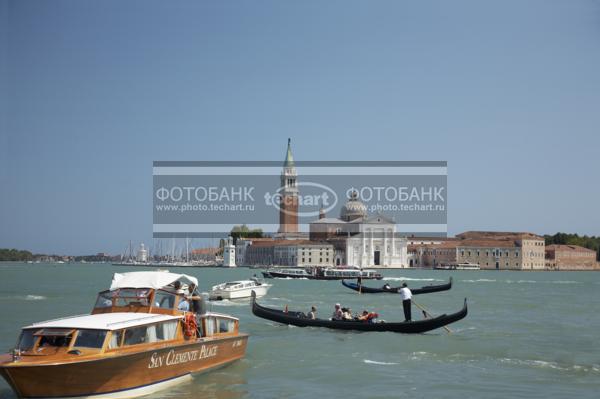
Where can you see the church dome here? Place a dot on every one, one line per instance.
(353, 209)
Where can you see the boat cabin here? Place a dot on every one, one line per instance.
(135, 316)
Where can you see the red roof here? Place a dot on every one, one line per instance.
(572, 248)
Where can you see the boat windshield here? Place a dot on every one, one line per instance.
(90, 339)
(123, 297)
(26, 340)
(164, 299)
(58, 337)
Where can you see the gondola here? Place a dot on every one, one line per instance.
(411, 327)
(394, 290)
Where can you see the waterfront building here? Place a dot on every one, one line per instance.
(490, 250)
(205, 254)
(293, 253)
(570, 257)
(242, 244)
(303, 253)
(432, 254)
(359, 239)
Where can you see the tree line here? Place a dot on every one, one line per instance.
(590, 242)
(14, 255)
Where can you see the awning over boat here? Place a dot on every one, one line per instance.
(104, 321)
(149, 280)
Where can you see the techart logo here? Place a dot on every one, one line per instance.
(313, 196)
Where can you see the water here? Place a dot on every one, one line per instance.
(528, 334)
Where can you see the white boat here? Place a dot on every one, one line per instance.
(458, 266)
(239, 289)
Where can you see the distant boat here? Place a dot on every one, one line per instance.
(239, 289)
(394, 290)
(322, 273)
(458, 266)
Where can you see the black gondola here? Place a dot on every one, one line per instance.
(394, 290)
(411, 327)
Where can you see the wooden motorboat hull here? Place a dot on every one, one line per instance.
(411, 327)
(394, 290)
(121, 375)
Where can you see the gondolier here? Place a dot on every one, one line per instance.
(406, 296)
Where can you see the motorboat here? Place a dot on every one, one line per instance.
(149, 331)
(458, 266)
(322, 273)
(239, 289)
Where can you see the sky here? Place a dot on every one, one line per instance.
(92, 92)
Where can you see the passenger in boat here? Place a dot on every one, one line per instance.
(386, 286)
(347, 314)
(183, 304)
(406, 295)
(368, 317)
(313, 313)
(337, 312)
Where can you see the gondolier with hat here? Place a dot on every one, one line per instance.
(406, 296)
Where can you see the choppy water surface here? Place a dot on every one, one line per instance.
(528, 334)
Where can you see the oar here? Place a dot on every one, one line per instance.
(427, 314)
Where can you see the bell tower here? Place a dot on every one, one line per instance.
(288, 208)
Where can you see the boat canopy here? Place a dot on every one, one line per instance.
(154, 280)
(104, 321)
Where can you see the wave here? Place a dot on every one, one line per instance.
(34, 297)
(379, 363)
(551, 365)
(487, 280)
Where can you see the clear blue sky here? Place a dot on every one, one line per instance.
(91, 92)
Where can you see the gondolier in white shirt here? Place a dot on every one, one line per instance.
(406, 296)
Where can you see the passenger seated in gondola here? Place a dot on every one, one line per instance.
(347, 314)
(337, 312)
(368, 317)
(313, 313)
(386, 286)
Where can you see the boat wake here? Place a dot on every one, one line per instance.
(367, 361)
(227, 302)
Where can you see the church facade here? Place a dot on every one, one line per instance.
(362, 240)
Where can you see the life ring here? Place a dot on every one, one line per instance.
(189, 325)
